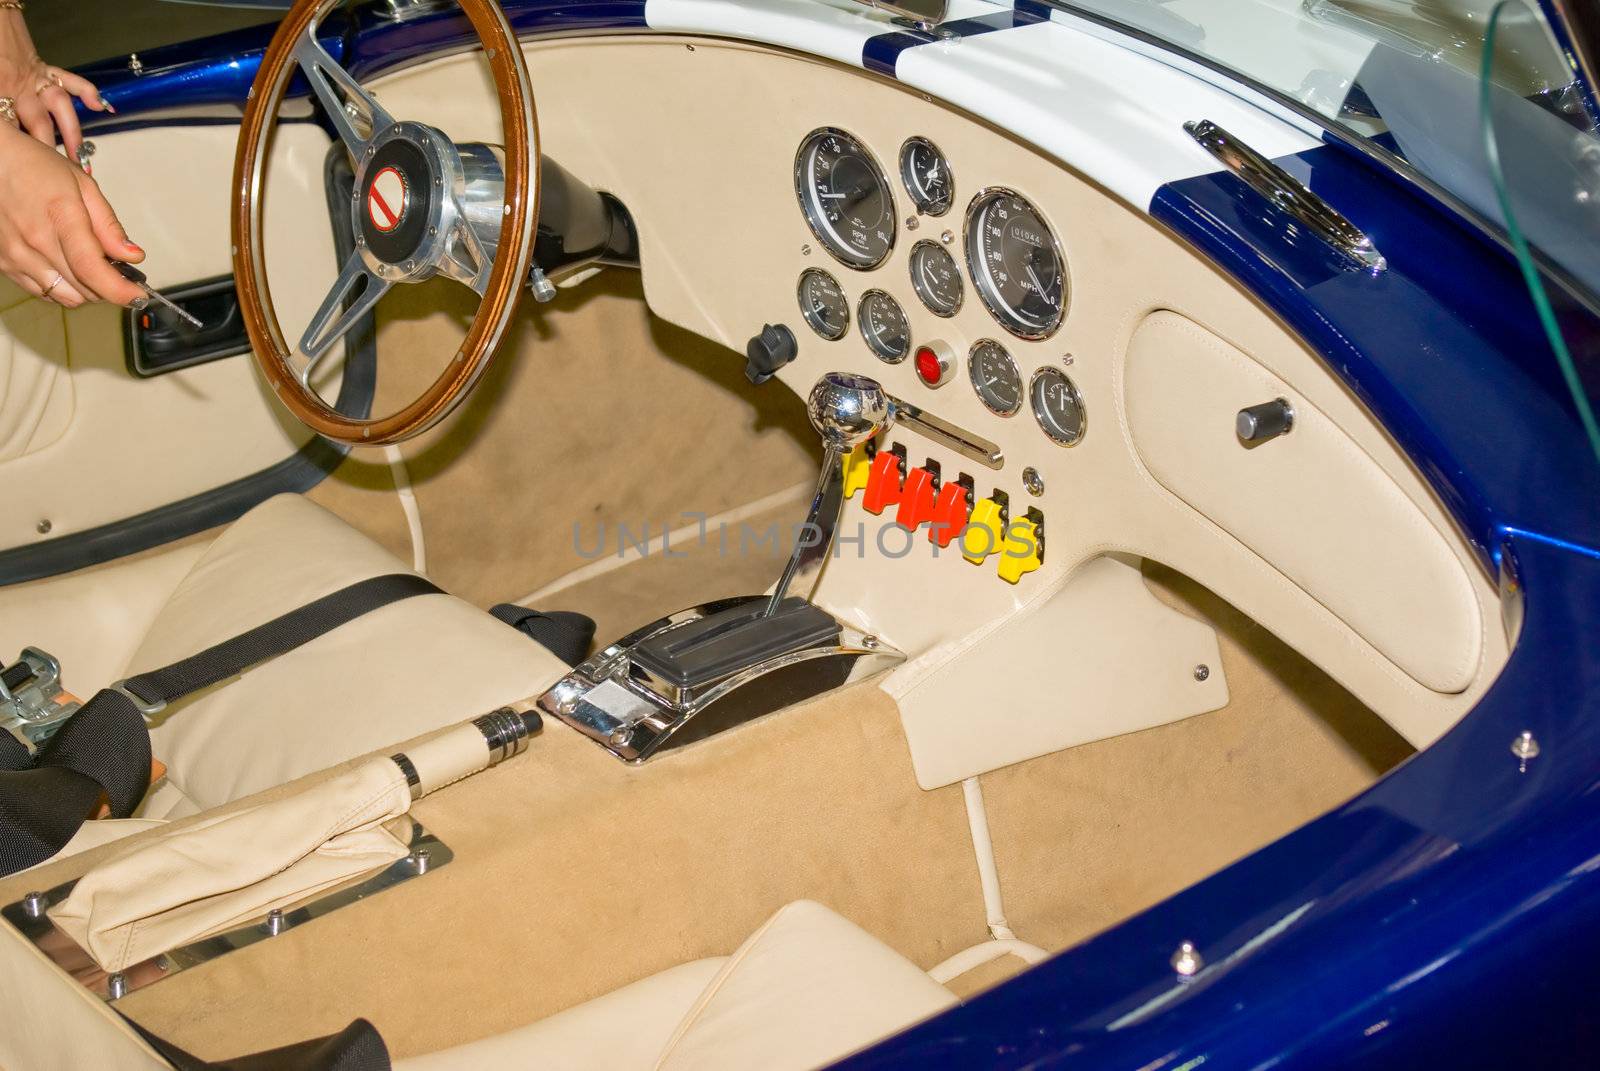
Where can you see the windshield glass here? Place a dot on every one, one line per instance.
(1404, 77)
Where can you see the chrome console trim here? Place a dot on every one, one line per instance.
(968, 444)
(634, 714)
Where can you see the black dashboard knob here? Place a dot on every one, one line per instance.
(767, 352)
(1258, 423)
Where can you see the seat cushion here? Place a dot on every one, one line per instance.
(807, 988)
(397, 672)
(626, 1028)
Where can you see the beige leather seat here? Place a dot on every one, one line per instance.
(806, 989)
(395, 673)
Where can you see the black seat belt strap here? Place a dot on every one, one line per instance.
(105, 746)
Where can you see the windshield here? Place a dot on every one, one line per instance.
(1403, 77)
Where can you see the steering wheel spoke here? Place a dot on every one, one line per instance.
(349, 105)
(353, 295)
(465, 260)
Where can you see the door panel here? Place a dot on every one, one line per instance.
(84, 444)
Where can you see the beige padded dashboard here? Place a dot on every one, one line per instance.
(1328, 539)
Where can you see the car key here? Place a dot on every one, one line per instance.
(139, 279)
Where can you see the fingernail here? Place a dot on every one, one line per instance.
(132, 246)
(106, 104)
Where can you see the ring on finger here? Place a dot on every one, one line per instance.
(57, 281)
(8, 111)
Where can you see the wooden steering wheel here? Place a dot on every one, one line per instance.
(423, 206)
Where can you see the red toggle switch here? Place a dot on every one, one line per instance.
(950, 513)
(917, 498)
(883, 482)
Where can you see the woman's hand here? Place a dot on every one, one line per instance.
(42, 94)
(57, 229)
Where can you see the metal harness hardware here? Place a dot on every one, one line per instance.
(33, 705)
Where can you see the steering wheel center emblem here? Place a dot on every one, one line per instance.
(387, 199)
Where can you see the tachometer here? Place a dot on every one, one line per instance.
(884, 326)
(846, 200)
(936, 278)
(995, 377)
(926, 174)
(1016, 264)
(823, 304)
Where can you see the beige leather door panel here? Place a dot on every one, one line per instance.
(83, 443)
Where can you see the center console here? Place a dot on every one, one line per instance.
(711, 667)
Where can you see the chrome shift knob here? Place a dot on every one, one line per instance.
(847, 410)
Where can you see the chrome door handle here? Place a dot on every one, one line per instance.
(1289, 194)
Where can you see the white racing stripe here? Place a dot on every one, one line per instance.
(1108, 111)
(1111, 107)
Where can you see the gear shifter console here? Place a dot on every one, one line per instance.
(714, 666)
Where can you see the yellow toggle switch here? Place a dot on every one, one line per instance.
(985, 531)
(1021, 553)
(857, 467)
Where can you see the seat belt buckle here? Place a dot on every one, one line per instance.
(33, 705)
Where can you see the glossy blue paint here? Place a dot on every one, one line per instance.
(1445, 916)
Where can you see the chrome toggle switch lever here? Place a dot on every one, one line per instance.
(846, 410)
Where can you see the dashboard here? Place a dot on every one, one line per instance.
(1001, 248)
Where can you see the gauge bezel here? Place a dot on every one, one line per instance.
(1077, 395)
(981, 283)
(916, 280)
(861, 325)
(911, 188)
(972, 371)
(803, 191)
(805, 312)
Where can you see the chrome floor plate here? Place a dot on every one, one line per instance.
(29, 916)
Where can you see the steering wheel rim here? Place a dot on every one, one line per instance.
(295, 46)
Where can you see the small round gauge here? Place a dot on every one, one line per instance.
(1057, 406)
(936, 278)
(823, 304)
(846, 200)
(884, 326)
(1016, 264)
(995, 377)
(926, 174)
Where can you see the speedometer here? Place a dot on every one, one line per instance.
(1016, 263)
(846, 200)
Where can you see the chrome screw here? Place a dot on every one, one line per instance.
(274, 924)
(947, 237)
(33, 905)
(117, 986)
(420, 860)
(1032, 482)
(1187, 960)
(805, 250)
(135, 64)
(1202, 672)
(871, 643)
(44, 526)
(620, 738)
(912, 223)
(1067, 359)
(1525, 747)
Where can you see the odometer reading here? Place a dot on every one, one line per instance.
(823, 304)
(846, 200)
(1016, 264)
(936, 278)
(995, 377)
(884, 326)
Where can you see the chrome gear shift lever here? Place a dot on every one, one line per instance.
(846, 410)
